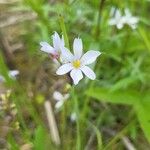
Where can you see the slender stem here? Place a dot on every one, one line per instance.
(76, 104)
(101, 5)
(63, 28)
(119, 135)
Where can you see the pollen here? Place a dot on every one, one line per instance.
(76, 63)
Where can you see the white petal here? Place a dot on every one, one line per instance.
(89, 57)
(133, 26)
(66, 96)
(76, 75)
(64, 69)
(46, 47)
(13, 73)
(57, 96)
(66, 55)
(119, 25)
(117, 14)
(57, 41)
(112, 22)
(59, 104)
(77, 47)
(88, 72)
(127, 12)
(112, 11)
(73, 117)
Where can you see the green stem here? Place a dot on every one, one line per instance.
(101, 5)
(63, 28)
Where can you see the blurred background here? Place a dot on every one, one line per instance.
(40, 110)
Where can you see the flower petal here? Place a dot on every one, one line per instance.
(117, 15)
(66, 96)
(46, 47)
(73, 117)
(76, 75)
(57, 96)
(88, 72)
(112, 22)
(13, 73)
(89, 57)
(119, 25)
(64, 69)
(59, 104)
(77, 47)
(57, 41)
(66, 55)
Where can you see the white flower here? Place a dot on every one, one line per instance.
(77, 63)
(117, 20)
(12, 74)
(60, 99)
(130, 20)
(73, 117)
(54, 50)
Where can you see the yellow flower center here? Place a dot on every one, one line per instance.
(76, 63)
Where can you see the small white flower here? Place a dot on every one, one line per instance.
(77, 63)
(73, 117)
(60, 99)
(130, 20)
(117, 20)
(54, 50)
(12, 74)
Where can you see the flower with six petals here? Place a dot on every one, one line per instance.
(77, 64)
(119, 21)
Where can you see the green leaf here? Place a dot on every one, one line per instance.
(12, 143)
(125, 82)
(99, 137)
(145, 38)
(142, 111)
(139, 100)
(40, 139)
(117, 97)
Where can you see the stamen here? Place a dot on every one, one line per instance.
(76, 63)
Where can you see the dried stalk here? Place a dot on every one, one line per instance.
(52, 123)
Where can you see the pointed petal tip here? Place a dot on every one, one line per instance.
(64, 69)
(42, 43)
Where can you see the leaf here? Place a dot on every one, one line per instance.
(125, 82)
(12, 142)
(99, 137)
(40, 139)
(117, 97)
(139, 100)
(145, 38)
(142, 110)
